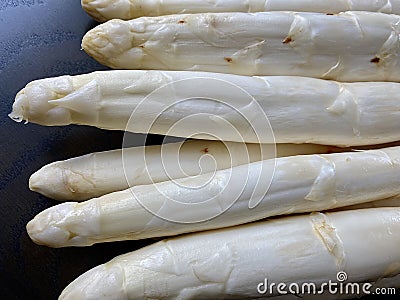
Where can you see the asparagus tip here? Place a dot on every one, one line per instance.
(19, 107)
(105, 281)
(52, 182)
(46, 228)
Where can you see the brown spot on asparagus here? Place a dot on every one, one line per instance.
(329, 14)
(181, 22)
(205, 150)
(228, 59)
(375, 60)
(287, 40)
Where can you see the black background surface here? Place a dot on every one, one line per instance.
(38, 39)
(41, 38)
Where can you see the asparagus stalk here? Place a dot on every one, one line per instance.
(231, 263)
(221, 199)
(235, 108)
(350, 46)
(103, 10)
(389, 202)
(97, 174)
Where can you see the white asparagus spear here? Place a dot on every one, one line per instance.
(97, 174)
(350, 46)
(299, 109)
(232, 263)
(103, 10)
(299, 184)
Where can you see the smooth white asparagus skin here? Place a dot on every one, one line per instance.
(129, 9)
(299, 109)
(230, 263)
(96, 174)
(299, 184)
(350, 46)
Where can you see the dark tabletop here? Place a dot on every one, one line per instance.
(41, 38)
